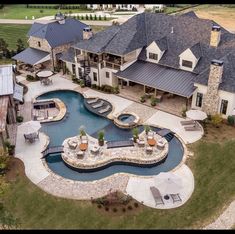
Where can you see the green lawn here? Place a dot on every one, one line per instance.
(19, 11)
(12, 32)
(213, 168)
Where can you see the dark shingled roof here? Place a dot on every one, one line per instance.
(68, 56)
(190, 14)
(196, 50)
(30, 56)
(189, 31)
(228, 77)
(58, 34)
(162, 43)
(163, 78)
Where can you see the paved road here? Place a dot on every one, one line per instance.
(17, 21)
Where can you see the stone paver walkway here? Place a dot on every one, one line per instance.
(172, 122)
(144, 112)
(226, 220)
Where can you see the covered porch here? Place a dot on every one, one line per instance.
(30, 61)
(172, 88)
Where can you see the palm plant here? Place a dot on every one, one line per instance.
(135, 133)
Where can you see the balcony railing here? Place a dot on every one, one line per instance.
(112, 65)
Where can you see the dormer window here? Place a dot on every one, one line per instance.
(187, 63)
(153, 56)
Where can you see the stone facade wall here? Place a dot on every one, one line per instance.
(211, 101)
(215, 38)
(33, 43)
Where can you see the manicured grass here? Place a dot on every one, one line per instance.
(213, 168)
(19, 11)
(5, 61)
(12, 32)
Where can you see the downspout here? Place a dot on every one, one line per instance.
(53, 63)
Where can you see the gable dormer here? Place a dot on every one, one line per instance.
(156, 50)
(190, 57)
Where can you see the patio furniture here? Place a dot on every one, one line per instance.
(93, 100)
(31, 137)
(159, 98)
(72, 145)
(80, 154)
(105, 109)
(192, 128)
(84, 140)
(187, 122)
(83, 146)
(176, 197)
(149, 149)
(157, 196)
(150, 135)
(98, 104)
(95, 149)
(151, 142)
(141, 142)
(160, 145)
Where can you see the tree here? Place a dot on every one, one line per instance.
(20, 45)
(3, 46)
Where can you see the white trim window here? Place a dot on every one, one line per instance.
(187, 63)
(153, 56)
(199, 99)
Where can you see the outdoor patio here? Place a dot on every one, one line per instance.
(170, 103)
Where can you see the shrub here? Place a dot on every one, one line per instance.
(32, 78)
(142, 99)
(216, 120)
(4, 160)
(231, 120)
(147, 128)
(19, 119)
(87, 17)
(115, 209)
(82, 17)
(99, 206)
(9, 147)
(93, 86)
(123, 209)
(82, 83)
(153, 101)
(56, 68)
(183, 112)
(82, 132)
(107, 208)
(101, 136)
(100, 17)
(105, 18)
(129, 207)
(95, 17)
(136, 204)
(115, 90)
(91, 17)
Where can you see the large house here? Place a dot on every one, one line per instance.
(47, 41)
(182, 55)
(11, 94)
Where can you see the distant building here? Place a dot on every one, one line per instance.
(10, 95)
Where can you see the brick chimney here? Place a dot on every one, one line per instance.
(215, 36)
(87, 33)
(211, 101)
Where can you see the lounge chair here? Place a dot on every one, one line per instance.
(107, 108)
(80, 154)
(192, 128)
(149, 149)
(187, 122)
(150, 135)
(176, 197)
(98, 104)
(140, 142)
(157, 196)
(93, 100)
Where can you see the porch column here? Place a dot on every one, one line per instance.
(187, 103)
(144, 89)
(155, 92)
(122, 83)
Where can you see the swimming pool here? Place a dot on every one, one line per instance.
(78, 116)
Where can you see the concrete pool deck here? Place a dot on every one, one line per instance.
(38, 172)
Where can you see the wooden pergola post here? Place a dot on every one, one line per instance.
(155, 92)
(144, 89)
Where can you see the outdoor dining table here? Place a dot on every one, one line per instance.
(151, 142)
(83, 146)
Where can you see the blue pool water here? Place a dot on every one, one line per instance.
(126, 118)
(77, 116)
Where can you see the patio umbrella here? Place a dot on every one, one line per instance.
(168, 183)
(44, 74)
(196, 114)
(31, 126)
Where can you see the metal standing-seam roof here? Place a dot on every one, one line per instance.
(3, 112)
(163, 78)
(6, 80)
(32, 56)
